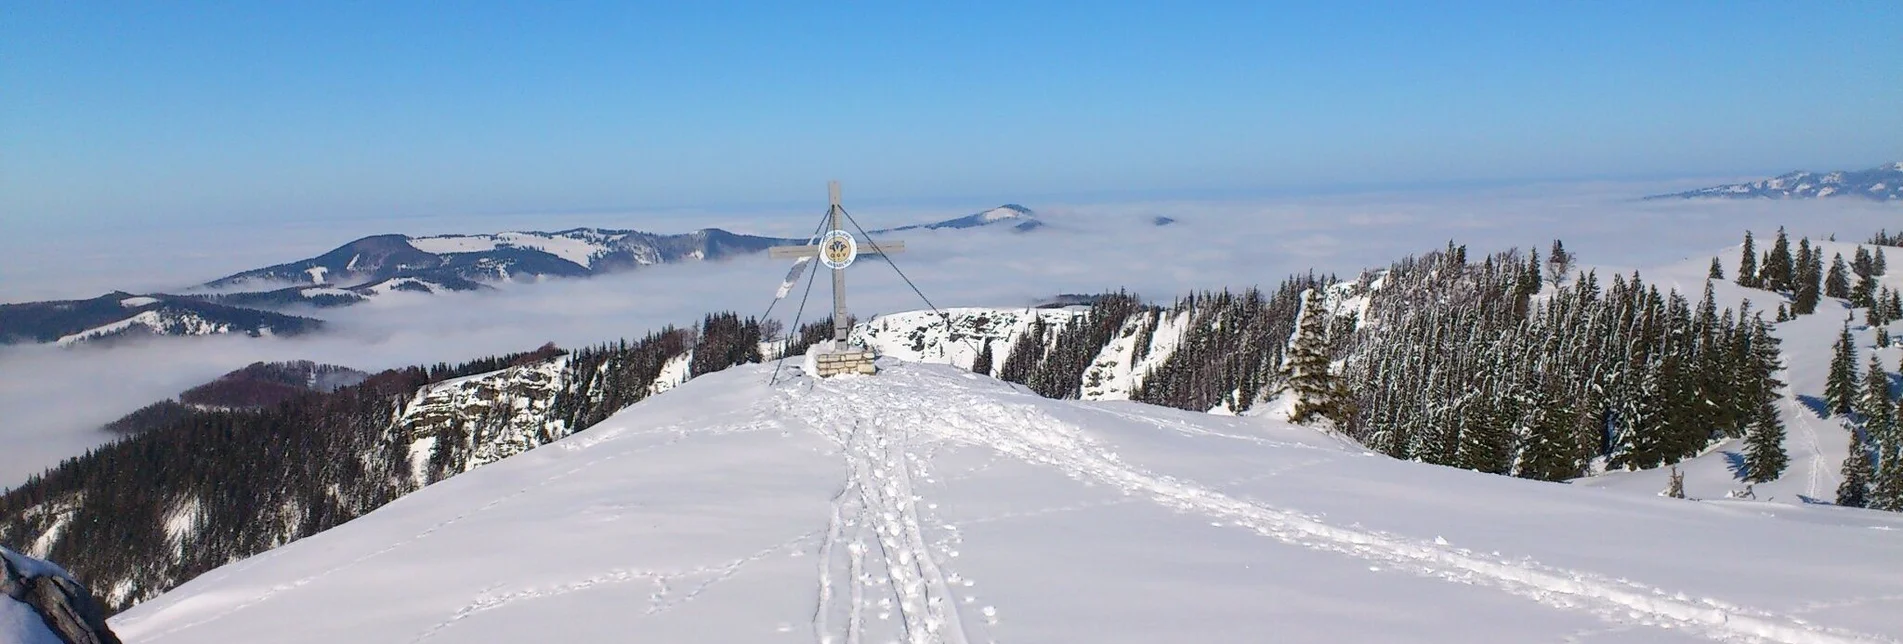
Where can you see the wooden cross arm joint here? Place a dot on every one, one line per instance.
(887, 247)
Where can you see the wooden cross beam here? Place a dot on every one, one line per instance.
(836, 250)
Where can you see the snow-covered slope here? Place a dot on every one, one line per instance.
(928, 504)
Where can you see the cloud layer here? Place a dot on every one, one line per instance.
(51, 399)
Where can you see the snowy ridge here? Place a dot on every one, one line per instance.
(580, 246)
(156, 322)
(929, 504)
(1882, 183)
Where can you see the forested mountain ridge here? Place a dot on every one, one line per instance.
(119, 315)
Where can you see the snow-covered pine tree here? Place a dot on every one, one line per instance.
(1877, 316)
(1748, 263)
(1886, 493)
(1778, 267)
(1877, 264)
(1807, 286)
(1840, 387)
(1765, 458)
(1865, 293)
(1837, 281)
(1550, 452)
(1854, 491)
(1638, 421)
(1874, 404)
(1886, 489)
(1716, 272)
(1306, 367)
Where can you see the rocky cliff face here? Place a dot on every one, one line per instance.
(40, 603)
(456, 426)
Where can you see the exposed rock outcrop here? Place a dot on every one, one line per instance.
(67, 609)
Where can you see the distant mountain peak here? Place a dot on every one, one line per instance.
(1026, 220)
(1882, 183)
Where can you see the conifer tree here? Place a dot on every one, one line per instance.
(1716, 272)
(1807, 292)
(1025, 355)
(1765, 458)
(1748, 264)
(1877, 265)
(1879, 415)
(1778, 266)
(1307, 366)
(982, 363)
(1837, 281)
(1877, 316)
(1857, 474)
(1840, 387)
(1559, 263)
(1865, 294)
(1886, 492)
(1861, 263)
(1551, 453)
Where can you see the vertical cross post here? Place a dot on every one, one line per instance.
(839, 274)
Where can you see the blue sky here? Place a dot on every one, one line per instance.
(118, 113)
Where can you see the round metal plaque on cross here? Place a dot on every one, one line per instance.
(837, 249)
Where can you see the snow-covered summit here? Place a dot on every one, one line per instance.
(1025, 220)
(929, 504)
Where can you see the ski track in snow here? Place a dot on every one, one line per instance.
(663, 599)
(1816, 485)
(1029, 434)
(879, 468)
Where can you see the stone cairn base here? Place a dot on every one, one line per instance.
(833, 363)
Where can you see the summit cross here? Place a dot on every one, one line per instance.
(836, 250)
